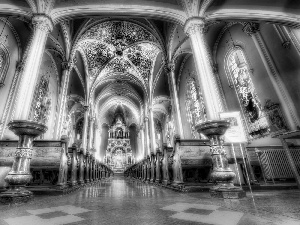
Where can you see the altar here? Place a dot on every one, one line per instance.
(118, 153)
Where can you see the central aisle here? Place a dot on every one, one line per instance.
(119, 201)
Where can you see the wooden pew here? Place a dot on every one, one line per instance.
(49, 163)
(167, 161)
(192, 163)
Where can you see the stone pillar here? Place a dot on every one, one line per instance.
(87, 168)
(174, 95)
(144, 154)
(152, 171)
(145, 170)
(147, 139)
(91, 135)
(287, 105)
(74, 165)
(92, 159)
(194, 28)
(32, 61)
(66, 66)
(20, 174)
(100, 171)
(148, 169)
(96, 136)
(158, 166)
(85, 128)
(152, 131)
(81, 166)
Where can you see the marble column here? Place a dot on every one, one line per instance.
(143, 145)
(174, 95)
(287, 105)
(152, 131)
(74, 165)
(194, 28)
(66, 66)
(87, 168)
(85, 128)
(147, 138)
(25, 129)
(32, 61)
(91, 135)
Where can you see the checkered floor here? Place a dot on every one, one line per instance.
(49, 216)
(204, 214)
(118, 201)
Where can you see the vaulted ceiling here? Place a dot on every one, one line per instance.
(120, 58)
(119, 48)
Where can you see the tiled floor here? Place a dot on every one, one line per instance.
(118, 201)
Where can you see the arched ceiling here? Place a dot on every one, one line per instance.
(120, 57)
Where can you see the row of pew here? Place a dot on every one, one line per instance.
(186, 166)
(55, 165)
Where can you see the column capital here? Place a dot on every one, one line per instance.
(66, 65)
(193, 25)
(251, 28)
(20, 65)
(86, 108)
(146, 119)
(170, 67)
(42, 22)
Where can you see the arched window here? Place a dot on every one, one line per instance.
(42, 101)
(195, 106)
(238, 75)
(4, 63)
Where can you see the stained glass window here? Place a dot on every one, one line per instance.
(3, 65)
(238, 74)
(195, 106)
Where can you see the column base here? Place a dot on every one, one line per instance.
(227, 192)
(61, 186)
(74, 183)
(15, 196)
(81, 182)
(166, 182)
(177, 183)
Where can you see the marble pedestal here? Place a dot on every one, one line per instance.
(222, 175)
(19, 174)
